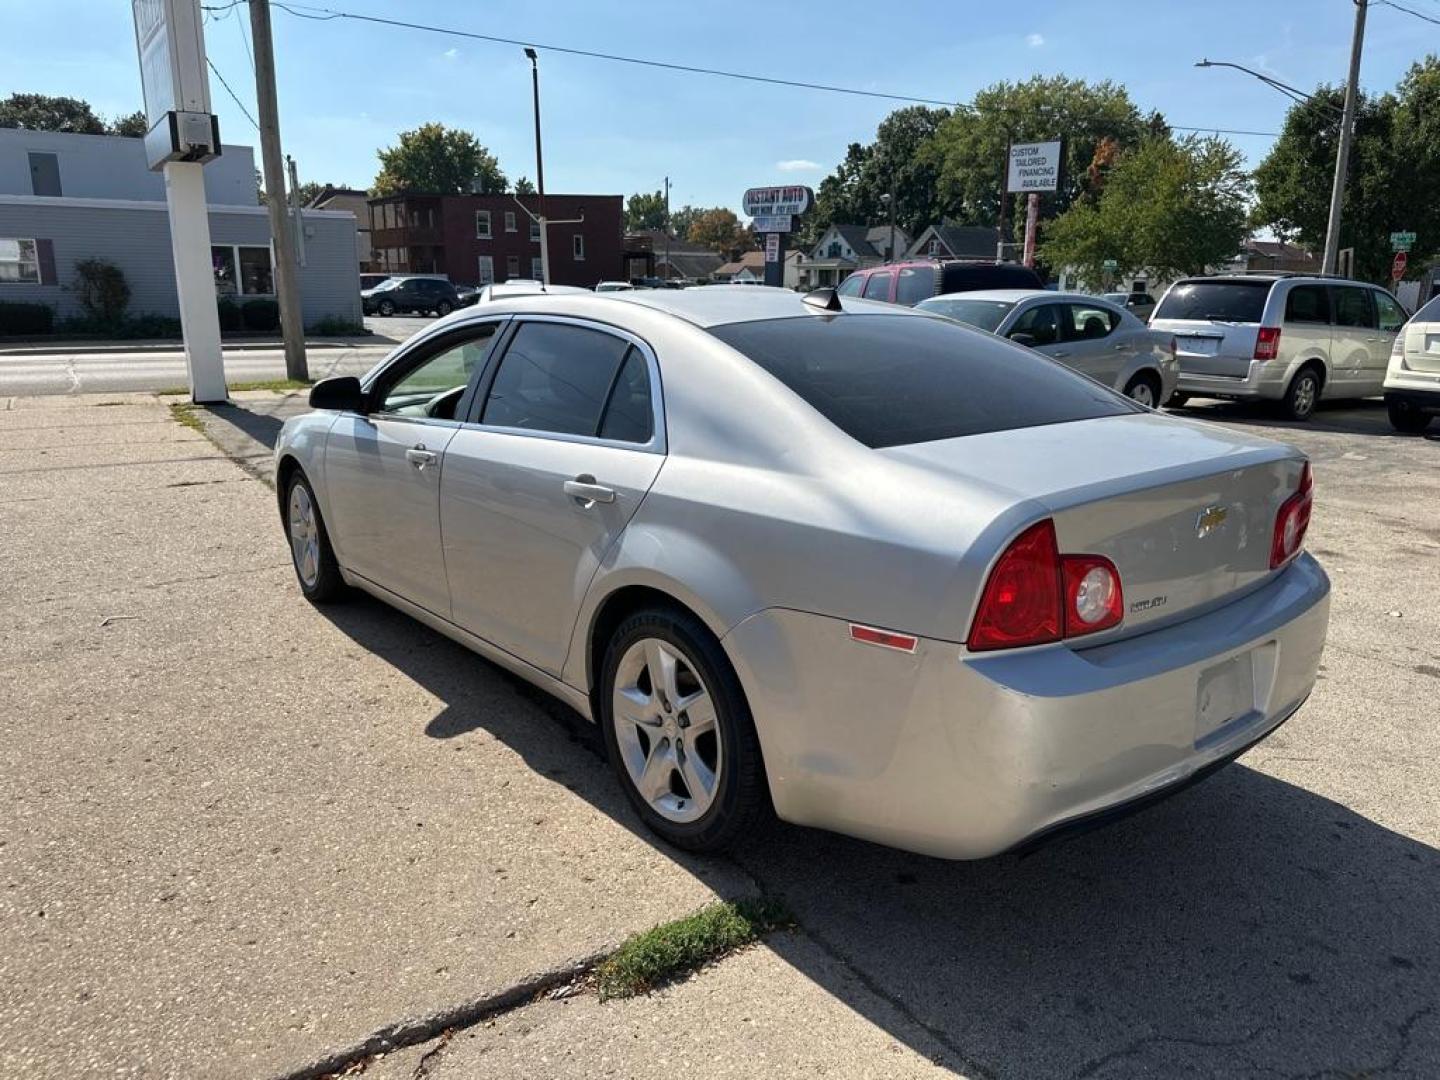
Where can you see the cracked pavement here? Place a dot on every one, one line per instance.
(242, 837)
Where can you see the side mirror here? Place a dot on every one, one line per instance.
(1020, 338)
(340, 392)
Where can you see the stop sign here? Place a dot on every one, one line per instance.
(1397, 271)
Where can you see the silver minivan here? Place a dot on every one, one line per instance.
(1291, 339)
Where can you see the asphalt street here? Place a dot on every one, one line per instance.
(242, 834)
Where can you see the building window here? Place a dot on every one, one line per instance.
(482, 224)
(242, 270)
(512, 266)
(834, 250)
(534, 231)
(934, 248)
(537, 268)
(430, 217)
(577, 245)
(45, 175)
(509, 220)
(19, 262)
(487, 270)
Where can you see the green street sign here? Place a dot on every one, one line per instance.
(1110, 264)
(1402, 241)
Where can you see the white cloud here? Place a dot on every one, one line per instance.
(1034, 40)
(797, 165)
(450, 54)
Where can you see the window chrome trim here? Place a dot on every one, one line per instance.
(659, 438)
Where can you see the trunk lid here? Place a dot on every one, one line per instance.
(1422, 346)
(1184, 510)
(1215, 323)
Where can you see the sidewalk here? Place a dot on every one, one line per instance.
(49, 346)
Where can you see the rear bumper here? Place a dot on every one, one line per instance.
(1418, 389)
(1263, 379)
(963, 755)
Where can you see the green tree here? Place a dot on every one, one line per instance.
(523, 186)
(968, 150)
(645, 210)
(683, 218)
(438, 160)
(720, 230)
(1174, 207)
(132, 126)
(40, 112)
(1394, 172)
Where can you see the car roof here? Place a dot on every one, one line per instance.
(1014, 296)
(720, 306)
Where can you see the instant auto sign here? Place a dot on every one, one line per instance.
(767, 201)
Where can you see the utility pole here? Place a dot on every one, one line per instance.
(667, 228)
(540, 172)
(287, 287)
(1342, 155)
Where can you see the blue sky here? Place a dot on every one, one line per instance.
(347, 88)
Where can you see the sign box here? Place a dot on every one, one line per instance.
(1034, 167)
(769, 201)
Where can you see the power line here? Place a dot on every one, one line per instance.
(319, 14)
(238, 103)
(1408, 11)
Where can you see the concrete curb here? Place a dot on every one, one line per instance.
(93, 347)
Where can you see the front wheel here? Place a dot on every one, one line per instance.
(1404, 417)
(1144, 389)
(386, 308)
(310, 551)
(444, 308)
(679, 732)
(1301, 396)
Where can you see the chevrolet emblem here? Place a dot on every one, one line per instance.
(1211, 519)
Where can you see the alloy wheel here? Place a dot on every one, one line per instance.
(667, 730)
(304, 536)
(1305, 395)
(1142, 394)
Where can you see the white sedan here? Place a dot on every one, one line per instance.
(1093, 336)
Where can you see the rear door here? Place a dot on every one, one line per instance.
(1306, 331)
(1093, 342)
(568, 435)
(1215, 322)
(1355, 333)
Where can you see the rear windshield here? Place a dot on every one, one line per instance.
(1217, 301)
(986, 314)
(889, 380)
(1430, 312)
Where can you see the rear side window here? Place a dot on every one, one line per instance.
(914, 285)
(628, 416)
(1392, 315)
(1217, 301)
(1307, 304)
(555, 378)
(1353, 308)
(889, 380)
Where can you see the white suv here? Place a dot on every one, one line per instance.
(1412, 382)
(1284, 338)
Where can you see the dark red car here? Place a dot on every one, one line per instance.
(910, 282)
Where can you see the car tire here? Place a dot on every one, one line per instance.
(1405, 418)
(1144, 389)
(385, 308)
(1302, 395)
(310, 552)
(444, 308)
(653, 749)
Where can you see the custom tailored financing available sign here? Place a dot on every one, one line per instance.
(777, 201)
(1034, 167)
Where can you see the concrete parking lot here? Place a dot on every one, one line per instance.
(244, 836)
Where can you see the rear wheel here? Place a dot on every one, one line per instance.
(1144, 388)
(1302, 395)
(679, 732)
(1405, 417)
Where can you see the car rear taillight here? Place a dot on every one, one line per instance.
(1035, 595)
(1267, 343)
(1397, 347)
(1292, 521)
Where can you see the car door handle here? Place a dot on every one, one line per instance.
(420, 457)
(1119, 348)
(585, 490)
(1059, 353)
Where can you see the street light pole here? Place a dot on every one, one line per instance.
(1342, 155)
(540, 172)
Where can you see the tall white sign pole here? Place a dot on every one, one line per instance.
(183, 136)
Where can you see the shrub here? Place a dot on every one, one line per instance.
(140, 326)
(260, 315)
(102, 290)
(26, 318)
(337, 326)
(229, 311)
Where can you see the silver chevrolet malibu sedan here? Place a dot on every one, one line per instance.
(859, 567)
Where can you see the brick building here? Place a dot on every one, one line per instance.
(479, 239)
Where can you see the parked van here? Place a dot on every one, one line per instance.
(1287, 338)
(910, 282)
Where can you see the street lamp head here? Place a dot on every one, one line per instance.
(1203, 63)
(529, 52)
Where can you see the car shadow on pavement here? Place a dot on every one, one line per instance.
(1246, 927)
(1364, 417)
